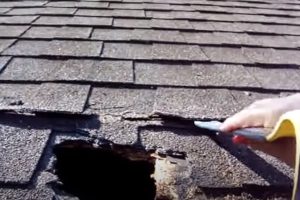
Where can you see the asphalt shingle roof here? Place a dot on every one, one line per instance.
(130, 61)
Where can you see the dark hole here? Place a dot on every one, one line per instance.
(106, 172)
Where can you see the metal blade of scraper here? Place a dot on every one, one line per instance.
(256, 134)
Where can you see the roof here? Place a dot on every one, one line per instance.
(116, 69)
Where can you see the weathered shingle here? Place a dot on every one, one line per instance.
(58, 32)
(4, 10)
(79, 21)
(21, 150)
(171, 24)
(132, 23)
(113, 34)
(195, 103)
(27, 194)
(12, 31)
(55, 48)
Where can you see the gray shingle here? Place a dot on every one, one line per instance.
(272, 56)
(113, 34)
(217, 17)
(127, 5)
(17, 19)
(16, 96)
(195, 103)
(127, 51)
(160, 14)
(278, 29)
(132, 23)
(201, 38)
(57, 32)
(38, 11)
(164, 74)
(96, 71)
(4, 10)
(91, 21)
(235, 38)
(27, 194)
(111, 13)
(224, 75)
(22, 3)
(186, 15)
(178, 52)
(12, 31)
(171, 24)
(272, 41)
(294, 39)
(55, 48)
(157, 35)
(225, 54)
(3, 61)
(5, 43)
(203, 26)
(82, 4)
(229, 26)
(134, 102)
(20, 151)
(65, 98)
(277, 78)
(29, 69)
(245, 98)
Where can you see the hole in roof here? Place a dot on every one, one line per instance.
(108, 171)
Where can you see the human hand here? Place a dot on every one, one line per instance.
(265, 113)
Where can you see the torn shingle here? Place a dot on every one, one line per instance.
(21, 150)
(133, 102)
(78, 21)
(164, 74)
(57, 32)
(111, 13)
(42, 11)
(65, 98)
(4, 44)
(55, 48)
(12, 31)
(210, 165)
(17, 19)
(225, 54)
(127, 51)
(277, 78)
(96, 71)
(195, 103)
(178, 52)
(224, 75)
